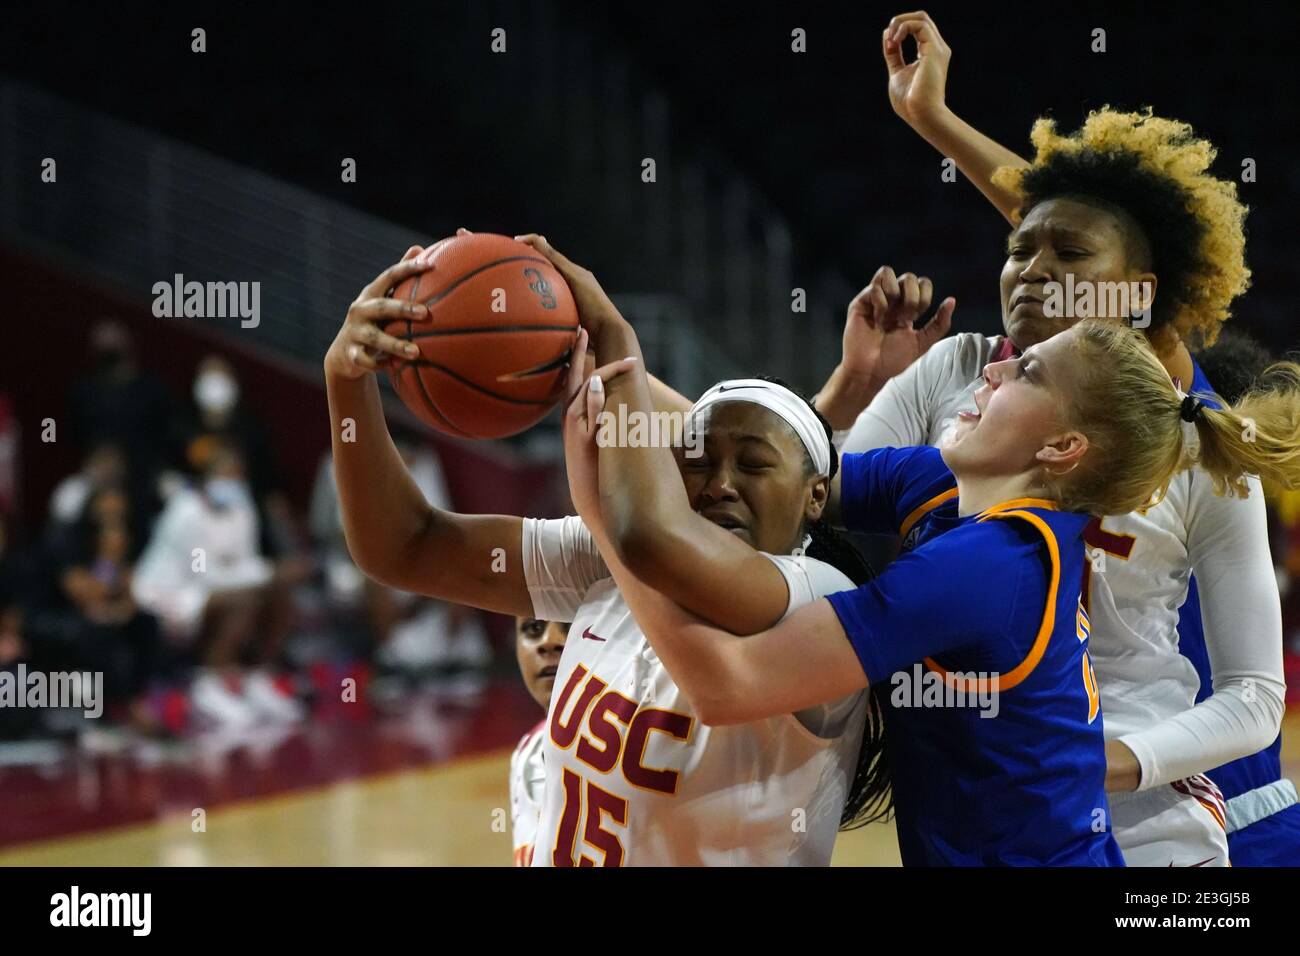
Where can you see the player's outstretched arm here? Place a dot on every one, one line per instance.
(881, 339)
(643, 506)
(393, 534)
(917, 94)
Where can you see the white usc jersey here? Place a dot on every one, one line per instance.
(632, 776)
(527, 778)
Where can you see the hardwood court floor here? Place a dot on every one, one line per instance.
(454, 813)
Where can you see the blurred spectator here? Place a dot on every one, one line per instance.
(121, 404)
(411, 633)
(217, 416)
(204, 575)
(104, 465)
(115, 636)
(15, 580)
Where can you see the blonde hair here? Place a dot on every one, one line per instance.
(1124, 401)
(1157, 171)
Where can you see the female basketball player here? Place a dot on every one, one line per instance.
(1127, 198)
(538, 645)
(986, 595)
(633, 777)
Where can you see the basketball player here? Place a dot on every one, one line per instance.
(1128, 198)
(655, 787)
(988, 594)
(537, 649)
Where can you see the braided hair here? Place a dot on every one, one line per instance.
(870, 796)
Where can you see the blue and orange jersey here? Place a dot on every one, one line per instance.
(978, 635)
(1257, 769)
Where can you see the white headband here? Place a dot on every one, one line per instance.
(792, 409)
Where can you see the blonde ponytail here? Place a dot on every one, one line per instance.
(1259, 435)
(1124, 401)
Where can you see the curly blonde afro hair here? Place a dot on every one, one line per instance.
(1155, 171)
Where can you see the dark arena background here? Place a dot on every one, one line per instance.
(303, 150)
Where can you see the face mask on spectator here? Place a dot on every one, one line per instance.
(226, 493)
(215, 392)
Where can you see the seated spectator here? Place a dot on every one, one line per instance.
(218, 416)
(411, 633)
(203, 574)
(103, 466)
(115, 637)
(119, 403)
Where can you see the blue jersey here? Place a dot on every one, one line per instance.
(1257, 769)
(978, 635)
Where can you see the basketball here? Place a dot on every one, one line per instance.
(494, 353)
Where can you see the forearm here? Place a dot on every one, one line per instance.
(640, 486)
(383, 510)
(976, 155)
(844, 397)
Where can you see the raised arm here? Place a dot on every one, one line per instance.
(643, 505)
(917, 94)
(393, 534)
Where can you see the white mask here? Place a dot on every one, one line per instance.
(215, 392)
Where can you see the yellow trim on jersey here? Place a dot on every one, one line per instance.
(920, 511)
(1026, 667)
(1043, 503)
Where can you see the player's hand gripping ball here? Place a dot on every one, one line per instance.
(494, 351)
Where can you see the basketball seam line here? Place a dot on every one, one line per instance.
(427, 363)
(469, 275)
(476, 330)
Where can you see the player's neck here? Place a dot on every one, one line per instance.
(981, 492)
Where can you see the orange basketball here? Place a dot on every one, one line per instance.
(493, 355)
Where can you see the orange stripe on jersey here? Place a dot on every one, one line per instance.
(1005, 506)
(922, 510)
(1026, 667)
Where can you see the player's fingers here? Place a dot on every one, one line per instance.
(893, 52)
(607, 373)
(376, 341)
(920, 27)
(367, 311)
(879, 304)
(595, 397)
(359, 357)
(887, 281)
(558, 259)
(578, 361)
(910, 298)
(927, 293)
(462, 231)
(939, 325)
(412, 252)
(393, 275)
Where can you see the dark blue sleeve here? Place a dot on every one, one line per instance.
(982, 583)
(881, 487)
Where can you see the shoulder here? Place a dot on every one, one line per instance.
(969, 352)
(528, 742)
(808, 578)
